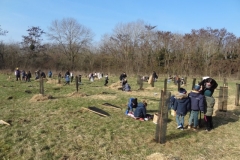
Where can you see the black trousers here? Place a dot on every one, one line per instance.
(209, 123)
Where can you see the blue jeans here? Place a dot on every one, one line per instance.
(180, 120)
(194, 118)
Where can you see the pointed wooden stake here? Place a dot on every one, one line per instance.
(3, 122)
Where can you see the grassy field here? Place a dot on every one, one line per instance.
(56, 125)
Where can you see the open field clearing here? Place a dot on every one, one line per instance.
(56, 125)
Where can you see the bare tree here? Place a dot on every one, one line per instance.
(72, 37)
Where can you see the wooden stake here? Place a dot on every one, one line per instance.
(3, 122)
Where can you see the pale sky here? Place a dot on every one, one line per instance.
(101, 16)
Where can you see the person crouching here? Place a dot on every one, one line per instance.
(141, 113)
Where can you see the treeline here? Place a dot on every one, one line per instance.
(135, 48)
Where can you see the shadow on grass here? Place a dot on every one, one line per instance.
(223, 118)
(179, 134)
(111, 105)
(108, 93)
(98, 110)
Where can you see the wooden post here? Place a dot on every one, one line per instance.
(165, 86)
(179, 83)
(237, 94)
(193, 83)
(185, 81)
(77, 83)
(222, 100)
(225, 82)
(161, 126)
(41, 86)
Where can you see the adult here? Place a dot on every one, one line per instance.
(67, 73)
(123, 76)
(208, 84)
(197, 104)
(141, 111)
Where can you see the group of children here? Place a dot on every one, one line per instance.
(22, 75)
(199, 100)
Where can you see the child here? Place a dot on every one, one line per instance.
(132, 103)
(210, 102)
(141, 113)
(181, 106)
(197, 104)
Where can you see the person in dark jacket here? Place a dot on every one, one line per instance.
(106, 80)
(29, 76)
(123, 76)
(141, 112)
(210, 102)
(197, 104)
(208, 84)
(18, 74)
(154, 76)
(132, 103)
(181, 106)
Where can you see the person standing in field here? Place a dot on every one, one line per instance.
(209, 104)
(197, 104)
(17, 74)
(106, 80)
(181, 106)
(29, 76)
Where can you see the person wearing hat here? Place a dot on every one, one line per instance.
(208, 84)
(197, 104)
(181, 106)
(209, 104)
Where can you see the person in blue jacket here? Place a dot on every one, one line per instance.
(181, 106)
(197, 104)
(141, 112)
(132, 103)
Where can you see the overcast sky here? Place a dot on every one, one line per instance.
(101, 16)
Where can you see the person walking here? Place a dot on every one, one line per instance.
(181, 106)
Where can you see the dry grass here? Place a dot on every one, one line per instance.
(55, 126)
